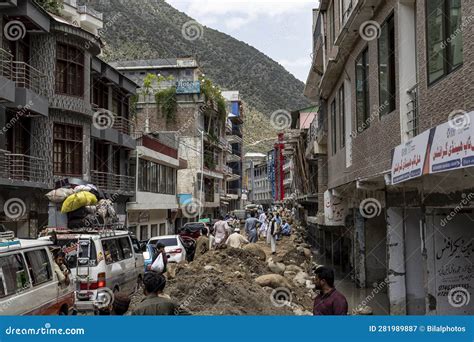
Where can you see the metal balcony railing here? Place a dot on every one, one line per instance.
(114, 182)
(412, 114)
(6, 67)
(120, 123)
(25, 76)
(90, 11)
(22, 167)
(72, 3)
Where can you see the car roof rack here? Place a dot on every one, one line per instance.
(102, 230)
(7, 239)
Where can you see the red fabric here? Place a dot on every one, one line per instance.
(332, 303)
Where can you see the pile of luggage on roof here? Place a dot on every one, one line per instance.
(81, 206)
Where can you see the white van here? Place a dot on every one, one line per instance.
(28, 283)
(106, 263)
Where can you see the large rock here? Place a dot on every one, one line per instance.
(273, 281)
(276, 267)
(307, 252)
(300, 278)
(256, 250)
(294, 268)
(290, 274)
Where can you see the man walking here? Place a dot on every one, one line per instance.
(251, 228)
(263, 224)
(221, 229)
(273, 231)
(202, 244)
(329, 301)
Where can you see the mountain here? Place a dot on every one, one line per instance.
(142, 29)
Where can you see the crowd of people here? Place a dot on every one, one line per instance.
(270, 225)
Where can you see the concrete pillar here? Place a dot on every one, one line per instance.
(359, 249)
(396, 261)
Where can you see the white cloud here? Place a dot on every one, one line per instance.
(241, 12)
(295, 63)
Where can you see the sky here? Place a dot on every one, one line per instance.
(280, 29)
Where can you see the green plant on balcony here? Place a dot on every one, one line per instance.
(209, 161)
(213, 138)
(167, 103)
(213, 95)
(53, 6)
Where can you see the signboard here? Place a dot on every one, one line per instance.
(409, 159)
(454, 277)
(335, 210)
(452, 146)
(188, 87)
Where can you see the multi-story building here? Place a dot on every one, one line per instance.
(54, 95)
(234, 149)
(250, 160)
(390, 77)
(196, 120)
(151, 213)
(262, 192)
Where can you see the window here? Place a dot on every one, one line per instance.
(444, 37)
(13, 275)
(144, 233)
(156, 178)
(39, 266)
(342, 116)
(163, 231)
(386, 44)
(67, 150)
(333, 127)
(154, 230)
(112, 251)
(126, 247)
(69, 70)
(362, 91)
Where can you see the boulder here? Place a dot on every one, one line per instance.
(273, 281)
(276, 267)
(209, 267)
(256, 250)
(300, 278)
(294, 268)
(310, 284)
(307, 252)
(289, 274)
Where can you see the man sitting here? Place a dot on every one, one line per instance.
(285, 228)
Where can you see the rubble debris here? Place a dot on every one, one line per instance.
(256, 250)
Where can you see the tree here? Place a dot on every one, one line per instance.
(53, 6)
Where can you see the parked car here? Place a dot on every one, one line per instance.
(101, 263)
(175, 247)
(28, 283)
(192, 229)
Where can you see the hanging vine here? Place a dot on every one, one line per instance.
(167, 103)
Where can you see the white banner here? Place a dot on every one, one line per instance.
(409, 159)
(335, 210)
(452, 146)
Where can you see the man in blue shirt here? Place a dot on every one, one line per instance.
(285, 228)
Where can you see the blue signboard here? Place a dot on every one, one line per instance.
(188, 87)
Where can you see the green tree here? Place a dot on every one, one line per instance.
(53, 6)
